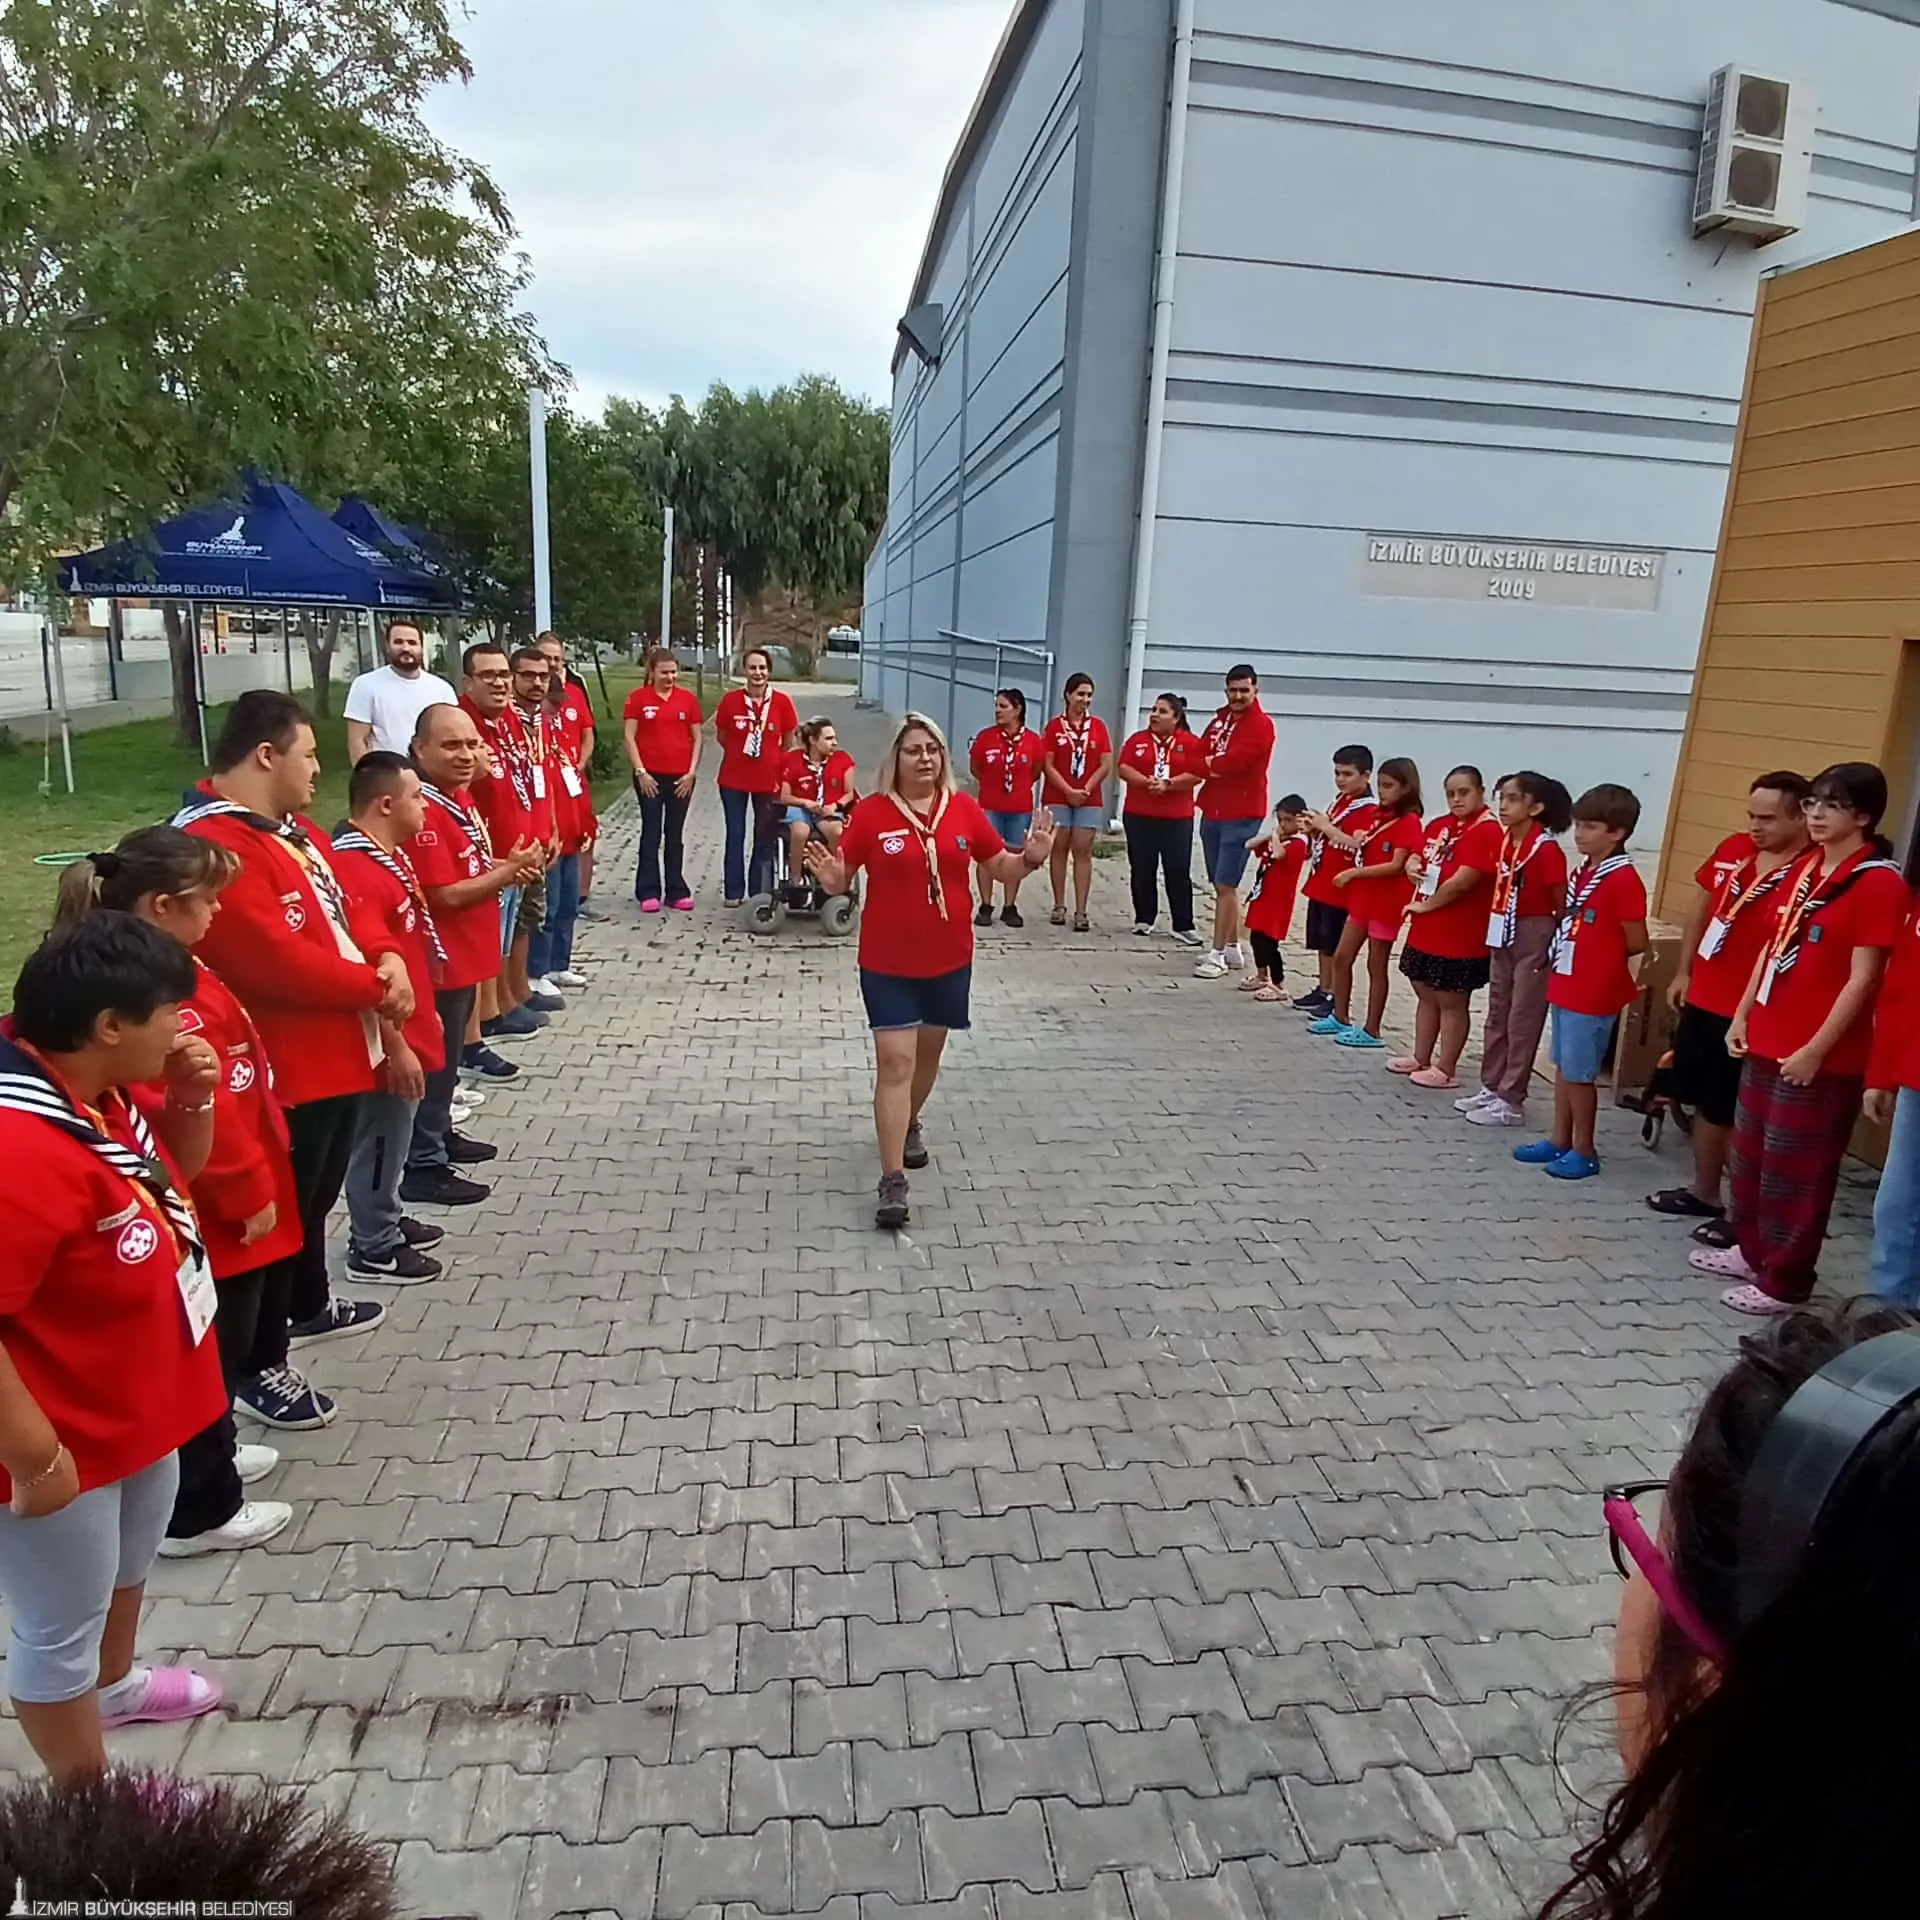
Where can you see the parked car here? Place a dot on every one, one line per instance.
(843, 640)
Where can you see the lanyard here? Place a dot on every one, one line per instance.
(1810, 895)
(1514, 861)
(1586, 884)
(1344, 805)
(1736, 894)
(469, 823)
(1162, 745)
(926, 831)
(396, 864)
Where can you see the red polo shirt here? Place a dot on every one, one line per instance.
(664, 726)
(1185, 755)
(445, 853)
(1008, 768)
(738, 723)
(901, 931)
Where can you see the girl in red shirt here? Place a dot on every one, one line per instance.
(1805, 1029)
(1007, 762)
(918, 840)
(1376, 890)
(244, 1195)
(1079, 764)
(1446, 952)
(1160, 768)
(1529, 894)
(816, 791)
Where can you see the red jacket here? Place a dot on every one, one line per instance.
(1895, 1061)
(407, 920)
(249, 1165)
(273, 944)
(1236, 786)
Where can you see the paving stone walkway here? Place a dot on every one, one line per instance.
(1192, 1517)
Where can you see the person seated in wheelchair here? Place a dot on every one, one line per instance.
(817, 792)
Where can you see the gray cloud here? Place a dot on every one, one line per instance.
(736, 190)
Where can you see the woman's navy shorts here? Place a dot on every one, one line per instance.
(896, 1002)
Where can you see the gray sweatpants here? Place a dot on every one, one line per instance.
(59, 1573)
(380, 1143)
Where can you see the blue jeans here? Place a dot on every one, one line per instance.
(739, 879)
(1896, 1209)
(551, 948)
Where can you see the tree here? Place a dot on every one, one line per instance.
(227, 236)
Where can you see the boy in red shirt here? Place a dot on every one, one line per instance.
(1280, 857)
(1602, 933)
(1331, 854)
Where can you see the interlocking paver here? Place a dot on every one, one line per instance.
(1190, 1518)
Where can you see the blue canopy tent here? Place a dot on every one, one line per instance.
(267, 546)
(364, 521)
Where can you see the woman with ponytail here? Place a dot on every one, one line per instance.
(244, 1194)
(1804, 1030)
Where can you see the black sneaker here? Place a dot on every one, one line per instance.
(892, 1210)
(403, 1267)
(916, 1154)
(1314, 1000)
(482, 1063)
(463, 1151)
(1010, 916)
(440, 1187)
(983, 914)
(341, 1321)
(282, 1397)
(417, 1233)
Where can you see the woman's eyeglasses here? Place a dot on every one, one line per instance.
(1630, 1539)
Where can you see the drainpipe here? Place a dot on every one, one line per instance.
(1165, 270)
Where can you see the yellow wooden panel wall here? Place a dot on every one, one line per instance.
(1817, 583)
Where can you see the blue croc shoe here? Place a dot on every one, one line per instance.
(1537, 1153)
(1327, 1023)
(1573, 1166)
(1358, 1037)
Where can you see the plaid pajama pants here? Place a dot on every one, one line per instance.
(1783, 1168)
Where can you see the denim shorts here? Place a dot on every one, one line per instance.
(1013, 828)
(897, 1002)
(1223, 845)
(1580, 1042)
(799, 817)
(509, 916)
(1067, 819)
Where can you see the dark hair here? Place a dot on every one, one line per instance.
(1241, 671)
(1556, 804)
(1291, 803)
(811, 730)
(1179, 707)
(1860, 786)
(101, 963)
(259, 718)
(478, 650)
(1712, 1821)
(1608, 805)
(1792, 786)
(521, 655)
(1361, 757)
(154, 1837)
(1015, 699)
(655, 655)
(1075, 680)
(412, 626)
(763, 653)
(146, 861)
(1473, 773)
(1408, 775)
(375, 774)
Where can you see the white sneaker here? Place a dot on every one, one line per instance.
(1213, 967)
(1497, 1113)
(568, 979)
(256, 1522)
(471, 1097)
(459, 1112)
(542, 993)
(1187, 939)
(254, 1462)
(1473, 1100)
(1142, 931)
(1235, 959)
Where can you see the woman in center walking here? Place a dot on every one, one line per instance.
(918, 840)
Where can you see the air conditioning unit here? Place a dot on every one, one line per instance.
(1756, 156)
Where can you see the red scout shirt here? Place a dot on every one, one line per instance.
(822, 783)
(1381, 901)
(1599, 911)
(405, 917)
(1276, 885)
(1239, 750)
(1008, 768)
(451, 848)
(1074, 756)
(1159, 758)
(1459, 930)
(901, 931)
(1739, 925)
(1895, 1060)
(753, 738)
(1351, 813)
(663, 728)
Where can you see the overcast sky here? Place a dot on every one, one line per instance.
(730, 190)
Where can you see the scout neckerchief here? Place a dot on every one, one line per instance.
(1368, 834)
(1269, 853)
(1079, 743)
(536, 749)
(27, 1087)
(468, 821)
(813, 780)
(395, 863)
(926, 832)
(1513, 862)
(1586, 884)
(1439, 849)
(1162, 744)
(759, 713)
(1810, 895)
(1345, 805)
(298, 842)
(1746, 886)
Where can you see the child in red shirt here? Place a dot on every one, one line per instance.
(1376, 890)
(1280, 856)
(1602, 933)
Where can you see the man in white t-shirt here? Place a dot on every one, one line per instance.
(383, 706)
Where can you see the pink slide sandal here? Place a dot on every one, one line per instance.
(1404, 1063)
(171, 1693)
(1434, 1080)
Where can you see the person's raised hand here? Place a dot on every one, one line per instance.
(826, 866)
(193, 1071)
(1038, 849)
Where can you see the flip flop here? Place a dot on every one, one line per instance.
(1750, 1300)
(171, 1693)
(1682, 1203)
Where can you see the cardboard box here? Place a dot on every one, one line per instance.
(1646, 1028)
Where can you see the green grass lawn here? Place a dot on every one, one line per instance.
(133, 775)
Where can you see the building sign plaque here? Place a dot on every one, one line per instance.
(1511, 572)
